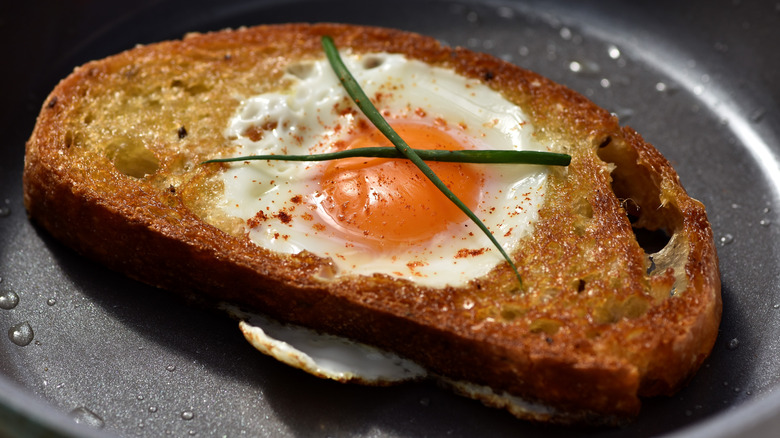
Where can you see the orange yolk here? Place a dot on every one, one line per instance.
(388, 203)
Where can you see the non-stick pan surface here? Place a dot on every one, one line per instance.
(108, 356)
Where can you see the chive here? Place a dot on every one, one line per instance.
(459, 156)
(365, 105)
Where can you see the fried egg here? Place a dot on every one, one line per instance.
(382, 216)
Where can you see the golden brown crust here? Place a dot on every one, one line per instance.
(591, 331)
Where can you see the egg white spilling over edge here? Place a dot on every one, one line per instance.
(308, 117)
(325, 356)
(344, 360)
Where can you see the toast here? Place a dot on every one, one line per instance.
(113, 169)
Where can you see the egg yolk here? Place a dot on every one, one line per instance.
(388, 204)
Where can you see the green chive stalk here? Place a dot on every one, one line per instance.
(457, 156)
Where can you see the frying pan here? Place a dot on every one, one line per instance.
(111, 357)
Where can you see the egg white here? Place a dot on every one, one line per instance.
(345, 360)
(310, 114)
(323, 355)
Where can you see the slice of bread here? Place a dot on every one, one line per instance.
(113, 170)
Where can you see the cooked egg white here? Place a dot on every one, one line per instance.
(325, 356)
(332, 357)
(375, 216)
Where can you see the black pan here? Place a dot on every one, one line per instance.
(109, 356)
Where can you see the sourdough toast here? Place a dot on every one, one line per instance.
(113, 170)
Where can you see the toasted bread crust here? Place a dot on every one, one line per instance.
(591, 331)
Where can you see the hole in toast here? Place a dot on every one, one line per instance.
(131, 157)
(370, 62)
(193, 89)
(584, 212)
(301, 70)
(510, 312)
(198, 88)
(651, 241)
(655, 218)
(72, 138)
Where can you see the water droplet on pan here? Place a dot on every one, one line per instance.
(733, 344)
(523, 50)
(21, 334)
(171, 368)
(82, 415)
(726, 239)
(187, 415)
(613, 51)
(51, 301)
(8, 300)
(584, 67)
(764, 222)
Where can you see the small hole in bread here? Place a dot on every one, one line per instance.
(638, 188)
(131, 157)
(651, 241)
(73, 139)
(510, 312)
(370, 62)
(301, 70)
